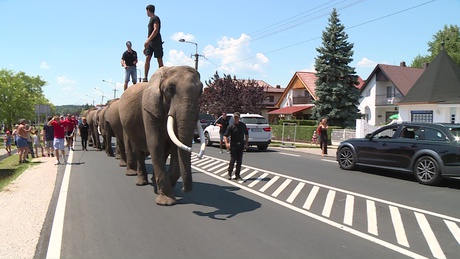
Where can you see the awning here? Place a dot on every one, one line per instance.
(291, 109)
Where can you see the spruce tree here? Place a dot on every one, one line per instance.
(336, 85)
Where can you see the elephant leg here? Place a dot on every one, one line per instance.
(117, 152)
(131, 160)
(141, 170)
(108, 147)
(174, 169)
(166, 196)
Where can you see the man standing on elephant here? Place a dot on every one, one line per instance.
(154, 43)
(129, 61)
(239, 136)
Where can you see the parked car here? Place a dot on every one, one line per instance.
(205, 120)
(430, 151)
(260, 132)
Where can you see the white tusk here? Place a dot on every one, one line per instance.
(99, 130)
(172, 135)
(203, 144)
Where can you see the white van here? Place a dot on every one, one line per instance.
(260, 132)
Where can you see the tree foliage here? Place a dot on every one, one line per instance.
(18, 95)
(336, 92)
(450, 35)
(229, 95)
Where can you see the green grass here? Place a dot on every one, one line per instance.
(10, 169)
(276, 143)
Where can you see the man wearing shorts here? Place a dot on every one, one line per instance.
(59, 133)
(23, 145)
(154, 43)
(69, 131)
(129, 61)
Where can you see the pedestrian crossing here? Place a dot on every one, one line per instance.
(408, 230)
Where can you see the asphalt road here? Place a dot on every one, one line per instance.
(289, 205)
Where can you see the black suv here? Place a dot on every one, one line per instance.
(428, 150)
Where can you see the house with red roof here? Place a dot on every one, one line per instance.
(297, 99)
(384, 89)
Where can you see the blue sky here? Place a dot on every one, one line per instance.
(74, 45)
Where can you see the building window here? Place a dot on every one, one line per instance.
(390, 91)
(422, 116)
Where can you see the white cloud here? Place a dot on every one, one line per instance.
(365, 62)
(235, 56)
(44, 65)
(180, 35)
(63, 80)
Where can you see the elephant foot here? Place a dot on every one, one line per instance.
(117, 157)
(141, 181)
(164, 200)
(122, 164)
(110, 155)
(130, 172)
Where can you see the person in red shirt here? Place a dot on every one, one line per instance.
(59, 126)
(69, 131)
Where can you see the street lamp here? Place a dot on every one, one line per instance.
(140, 75)
(91, 98)
(114, 87)
(196, 52)
(95, 88)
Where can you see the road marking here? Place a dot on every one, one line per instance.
(398, 226)
(256, 181)
(329, 160)
(349, 208)
(287, 154)
(311, 197)
(247, 177)
(281, 187)
(345, 228)
(267, 185)
(295, 192)
(454, 229)
(328, 204)
(54, 245)
(429, 236)
(371, 218)
(211, 164)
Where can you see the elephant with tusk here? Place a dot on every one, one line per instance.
(158, 118)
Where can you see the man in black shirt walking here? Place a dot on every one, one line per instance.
(222, 122)
(239, 136)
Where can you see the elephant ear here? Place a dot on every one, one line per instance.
(156, 99)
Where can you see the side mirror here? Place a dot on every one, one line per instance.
(368, 136)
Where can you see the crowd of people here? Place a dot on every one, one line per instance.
(57, 134)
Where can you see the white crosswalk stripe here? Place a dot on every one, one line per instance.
(320, 200)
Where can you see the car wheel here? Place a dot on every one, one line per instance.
(347, 159)
(207, 140)
(426, 171)
(262, 147)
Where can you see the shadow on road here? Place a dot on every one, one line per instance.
(222, 201)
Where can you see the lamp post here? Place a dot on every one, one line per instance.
(140, 75)
(114, 87)
(102, 101)
(91, 98)
(196, 52)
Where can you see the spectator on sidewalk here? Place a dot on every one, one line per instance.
(59, 126)
(23, 148)
(7, 140)
(48, 137)
(37, 143)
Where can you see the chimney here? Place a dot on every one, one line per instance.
(425, 65)
(402, 64)
(278, 86)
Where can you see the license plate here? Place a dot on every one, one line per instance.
(256, 130)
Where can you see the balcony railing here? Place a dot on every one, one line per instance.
(383, 100)
(301, 100)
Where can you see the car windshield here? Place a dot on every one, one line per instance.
(254, 120)
(204, 116)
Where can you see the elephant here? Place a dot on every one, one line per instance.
(158, 118)
(93, 120)
(113, 118)
(105, 129)
(86, 115)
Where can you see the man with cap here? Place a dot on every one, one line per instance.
(239, 136)
(129, 61)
